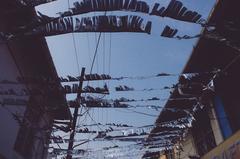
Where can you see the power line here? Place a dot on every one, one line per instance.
(75, 48)
(99, 127)
(142, 113)
(96, 51)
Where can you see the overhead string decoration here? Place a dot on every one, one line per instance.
(89, 101)
(41, 23)
(124, 88)
(87, 77)
(103, 23)
(107, 124)
(174, 127)
(210, 33)
(175, 9)
(87, 89)
(96, 77)
(169, 32)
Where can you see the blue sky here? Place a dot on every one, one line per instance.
(127, 54)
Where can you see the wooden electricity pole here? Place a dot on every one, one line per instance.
(75, 116)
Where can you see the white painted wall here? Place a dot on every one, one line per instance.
(8, 126)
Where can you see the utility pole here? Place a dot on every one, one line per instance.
(75, 116)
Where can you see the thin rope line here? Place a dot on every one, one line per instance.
(99, 127)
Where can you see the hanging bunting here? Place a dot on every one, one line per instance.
(48, 26)
(177, 125)
(124, 88)
(127, 139)
(123, 99)
(169, 32)
(107, 124)
(140, 147)
(134, 135)
(67, 89)
(175, 9)
(96, 77)
(85, 130)
(49, 80)
(162, 136)
(181, 123)
(87, 77)
(87, 89)
(164, 74)
(87, 6)
(186, 37)
(210, 35)
(118, 125)
(90, 24)
(89, 101)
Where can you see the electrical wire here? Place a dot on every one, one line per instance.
(141, 113)
(95, 52)
(75, 47)
(161, 75)
(99, 127)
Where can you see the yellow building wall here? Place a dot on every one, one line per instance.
(229, 149)
(188, 147)
(162, 157)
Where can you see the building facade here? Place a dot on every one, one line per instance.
(27, 107)
(215, 131)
